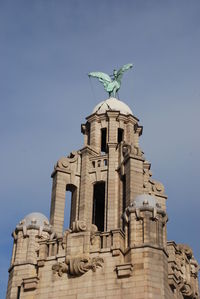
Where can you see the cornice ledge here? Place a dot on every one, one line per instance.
(147, 245)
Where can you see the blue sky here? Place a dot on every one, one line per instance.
(46, 50)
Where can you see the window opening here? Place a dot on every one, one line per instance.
(129, 232)
(103, 140)
(99, 205)
(120, 135)
(88, 134)
(70, 205)
(124, 197)
(18, 292)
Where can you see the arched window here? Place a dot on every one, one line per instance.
(99, 205)
(70, 205)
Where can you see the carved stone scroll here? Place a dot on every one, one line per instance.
(81, 265)
(78, 266)
(79, 226)
(64, 162)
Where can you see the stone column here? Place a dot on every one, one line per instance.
(58, 202)
(95, 133)
(85, 204)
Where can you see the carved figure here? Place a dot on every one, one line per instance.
(111, 83)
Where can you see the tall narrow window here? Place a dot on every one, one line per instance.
(99, 205)
(88, 133)
(103, 140)
(18, 292)
(120, 135)
(70, 205)
(124, 196)
(124, 192)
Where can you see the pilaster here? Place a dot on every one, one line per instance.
(85, 204)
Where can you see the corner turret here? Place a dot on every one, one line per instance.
(24, 267)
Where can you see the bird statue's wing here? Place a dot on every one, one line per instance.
(122, 70)
(104, 78)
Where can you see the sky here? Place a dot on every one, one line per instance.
(47, 48)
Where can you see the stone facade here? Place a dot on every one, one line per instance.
(116, 245)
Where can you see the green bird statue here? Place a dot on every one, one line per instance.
(111, 83)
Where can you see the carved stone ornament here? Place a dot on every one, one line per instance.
(64, 162)
(131, 149)
(79, 226)
(185, 271)
(60, 268)
(137, 151)
(186, 290)
(78, 266)
(194, 268)
(81, 265)
(149, 184)
(126, 149)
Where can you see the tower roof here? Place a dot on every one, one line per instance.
(112, 104)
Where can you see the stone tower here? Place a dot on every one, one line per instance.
(116, 245)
